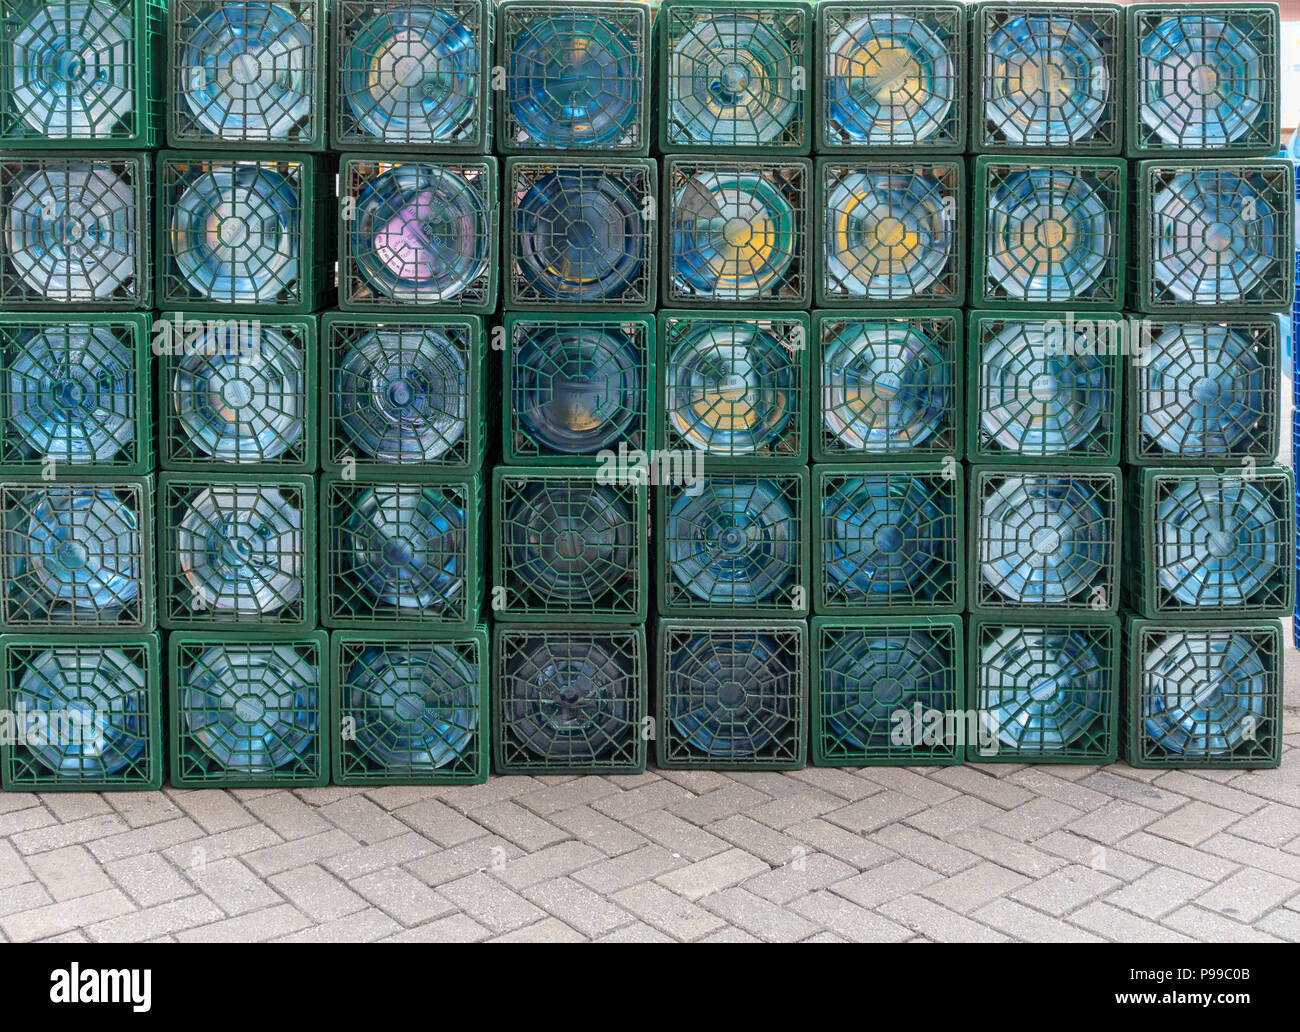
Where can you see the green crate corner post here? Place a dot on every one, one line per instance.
(242, 53)
(578, 387)
(274, 265)
(1204, 389)
(732, 695)
(1028, 213)
(715, 252)
(401, 552)
(893, 77)
(1212, 544)
(734, 544)
(386, 208)
(885, 691)
(432, 91)
(1045, 539)
(569, 545)
(237, 395)
(735, 386)
(409, 709)
(888, 539)
(570, 701)
(1045, 689)
(890, 233)
(77, 231)
(74, 393)
(734, 76)
(1167, 62)
(889, 385)
(1044, 387)
(1030, 64)
(249, 711)
(409, 394)
(1214, 235)
(237, 552)
(576, 77)
(77, 555)
(81, 77)
(102, 699)
(1203, 697)
(556, 257)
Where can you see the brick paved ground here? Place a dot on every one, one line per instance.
(991, 852)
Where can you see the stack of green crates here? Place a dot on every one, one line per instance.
(569, 512)
(1211, 519)
(79, 654)
(1045, 344)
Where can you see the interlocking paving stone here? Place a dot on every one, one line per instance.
(877, 854)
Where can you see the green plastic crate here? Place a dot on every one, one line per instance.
(1049, 231)
(247, 73)
(888, 691)
(401, 552)
(249, 712)
(1047, 78)
(580, 387)
(1212, 543)
(213, 256)
(237, 395)
(734, 76)
(1046, 691)
(1045, 539)
(1044, 387)
(734, 544)
(580, 232)
(76, 231)
(734, 386)
(86, 715)
(732, 695)
(570, 701)
(1204, 698)
(236, 551)
(893, 77)
(81, 76)
(737, 233)
(75, 393)
(569, 545)
(410, 76)
(409, 710)
(888, 538)
(1215, 236)
(406, 393)
(77, 554)
(418, 234)
(1181, 100)
(1204, 390)
(573, 77)
(891, 233)
(888, 385)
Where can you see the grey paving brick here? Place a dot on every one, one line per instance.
(152, 922)
(259, 926)
(1065, 890)
(403, 849)
(456, 928)
(317, 893)
(609, 876)
(577, 906)
(722, 802)
(761, 918)
(638, 931)
(712, 874)
(1113, 860)
(288, 855)
(13, 871)
(401, 895)
(148, 838)
(437, 821)
(75, 806)
(896, 878)
(909, 782)
(1027, 925)
(555, 861)
(1190, 785)
(1205, 926)
(676, 835)
(287, 815)
(69, 872)
(1252, 854)
(975, 781)
(211, 811)
(956, 814)
(1158, 892)
(771, 846)
(798, 877)
(1193, 824)
(653, 796)
(367, 925)
(875, 811)
(1031, 821)
(1136, 787)
(482, 854)
(840, 781)
(938, 923)
(53, 918)
(576, 792)
(1282, 923)
(972, 888)
(927, 850)
(1173, 854)
(611, 837)
(492, 904)
(237, 842)
(364, 820)
(520, 825)
(547, 930)
(1115, 820)
(1247, 895)
(790, 809)
(232, 886)
(55, 836)
(141, 809)
(1271, 825)
(1049, 783)
(1007, 852)
(668, 912)
(853, 849)
(19, 898)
